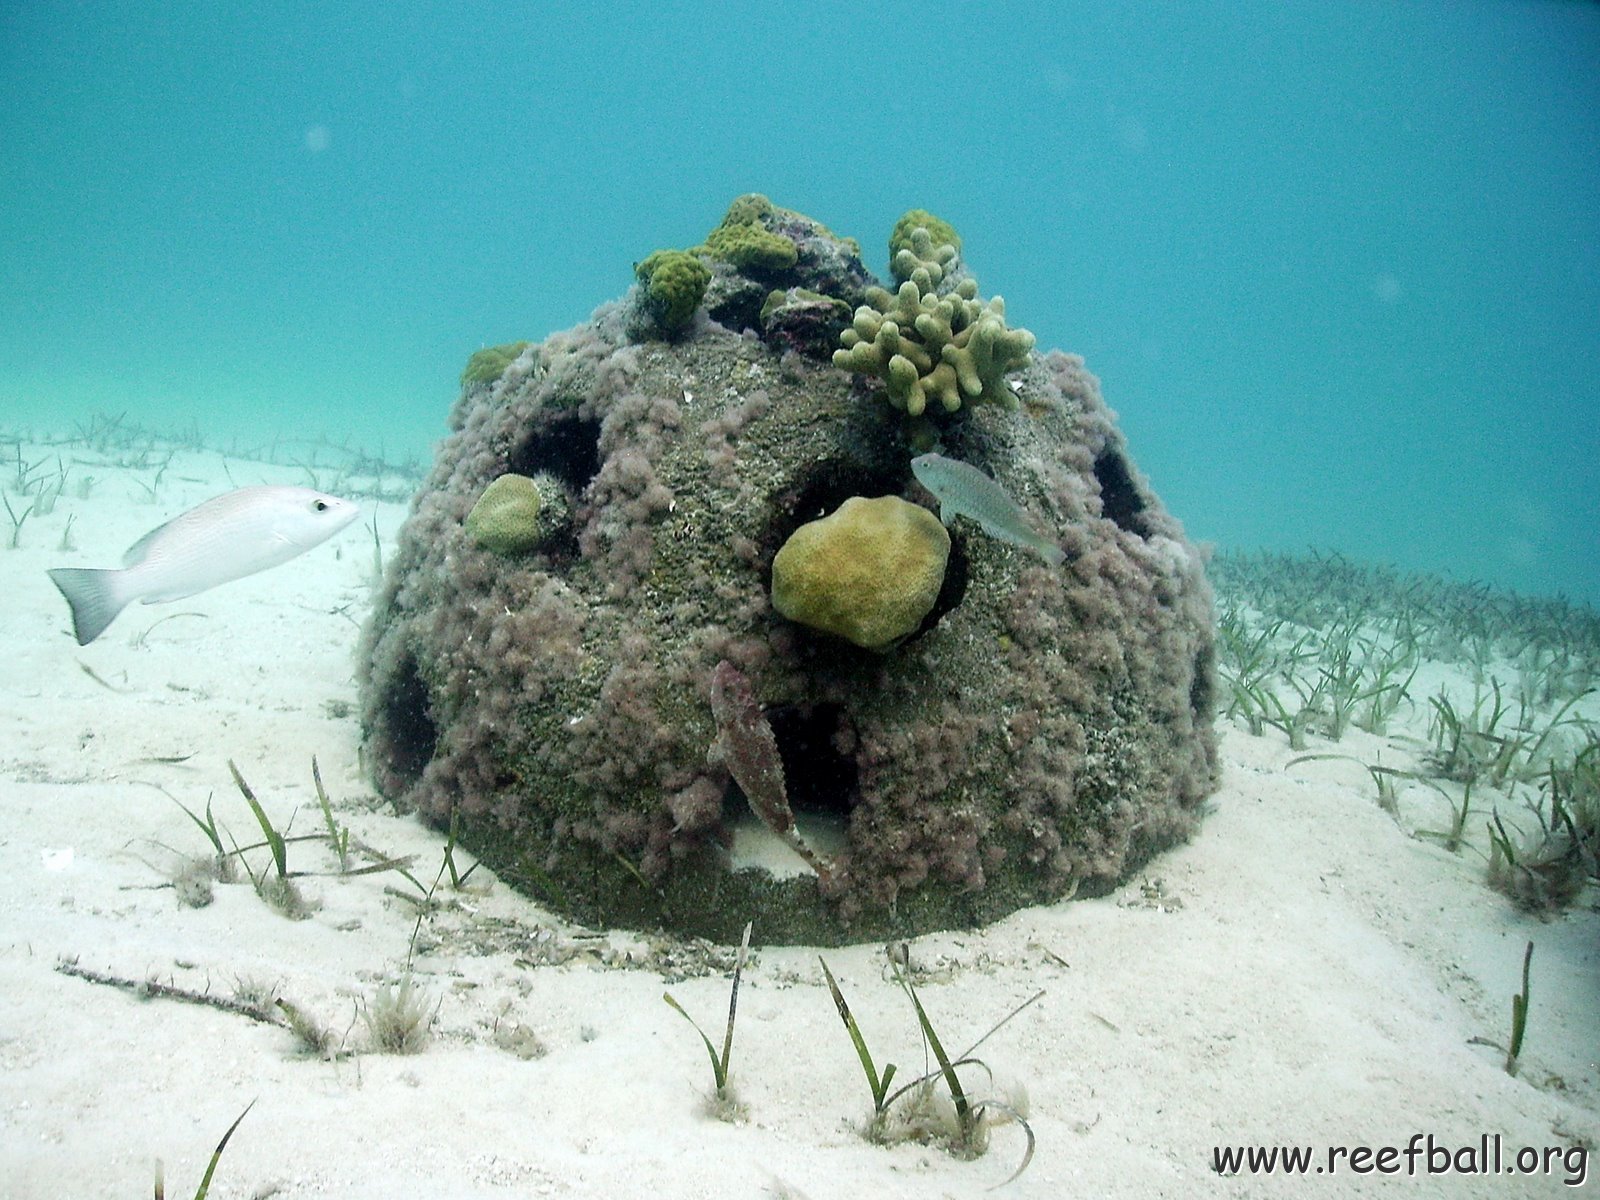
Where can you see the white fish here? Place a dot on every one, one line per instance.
(228, 537)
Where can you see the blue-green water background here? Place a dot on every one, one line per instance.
(1335, 263)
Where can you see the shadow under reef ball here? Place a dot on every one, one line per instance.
(967, 719)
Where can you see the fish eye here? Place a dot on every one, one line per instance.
(320, 505)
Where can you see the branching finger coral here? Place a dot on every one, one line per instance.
(940, 232)
(949, 348)
(952, 349)
(919, 252)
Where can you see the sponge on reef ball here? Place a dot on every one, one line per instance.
(868, 572)
(505, 520)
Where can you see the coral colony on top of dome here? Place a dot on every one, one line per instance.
(676, 636)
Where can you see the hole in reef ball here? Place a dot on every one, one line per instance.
(409, 727)
(820, 779)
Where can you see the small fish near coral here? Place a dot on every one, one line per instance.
(964, 491)
(228, 537)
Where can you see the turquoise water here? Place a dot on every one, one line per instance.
(1335, 264)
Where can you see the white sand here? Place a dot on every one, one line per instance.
(1305, 972)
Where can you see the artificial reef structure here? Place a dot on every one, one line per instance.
(676, 638)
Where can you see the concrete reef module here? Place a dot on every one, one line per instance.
(1021, 711)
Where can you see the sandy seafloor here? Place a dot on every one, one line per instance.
(1304, 972)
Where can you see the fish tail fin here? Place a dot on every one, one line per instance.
(93, 596)
(1053, 554)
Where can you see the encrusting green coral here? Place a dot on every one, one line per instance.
(801, 319)
(868, 572)
(750, 247)
(744, 242)
(674, 285)
(490, 363)
(950, 348)
(755, 209)
(780, 298)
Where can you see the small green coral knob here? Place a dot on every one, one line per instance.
(748, 209)
(674, 285)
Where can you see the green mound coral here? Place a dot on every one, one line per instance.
(868, 572)
(950, 348)
(748, 209)
(516, 514)
(490, 363)
(674, 285)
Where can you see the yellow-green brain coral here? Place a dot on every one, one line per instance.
(868, 572)
(505, 520)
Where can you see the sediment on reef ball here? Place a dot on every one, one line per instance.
(1028, 731)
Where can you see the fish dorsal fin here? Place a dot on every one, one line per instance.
(137, 551)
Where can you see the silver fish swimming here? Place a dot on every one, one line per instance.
(226, 538)
(963, 490)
